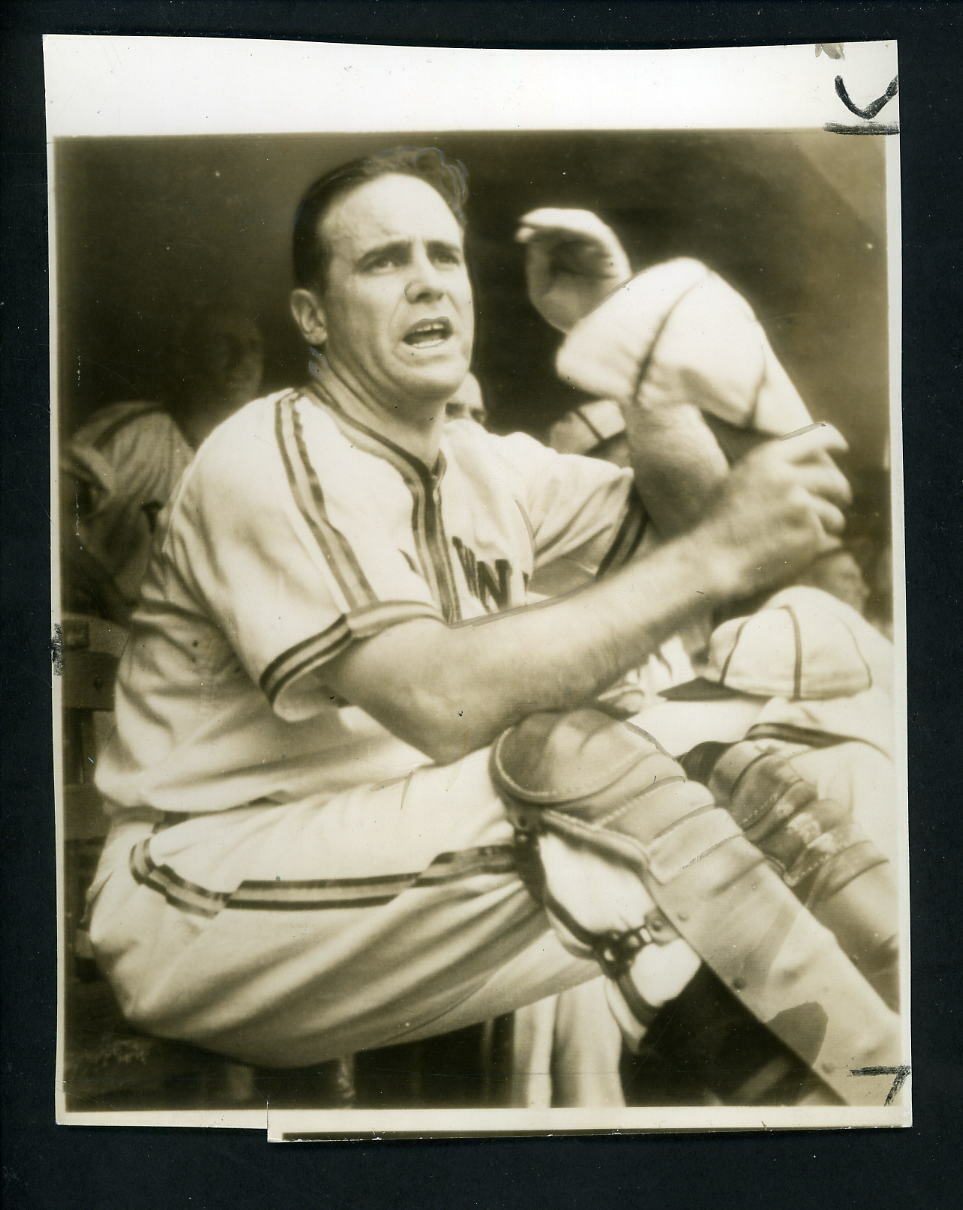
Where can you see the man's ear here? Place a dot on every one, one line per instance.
(309, 316)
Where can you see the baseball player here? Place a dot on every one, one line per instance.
(121, 467)
(360, 792)
(468, 403)
(839, 573)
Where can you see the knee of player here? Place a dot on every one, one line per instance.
(134, 1000)
(142, 995)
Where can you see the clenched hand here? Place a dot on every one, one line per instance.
(573, 261)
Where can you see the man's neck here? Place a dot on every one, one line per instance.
(416, 429)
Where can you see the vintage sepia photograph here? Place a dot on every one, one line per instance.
(478, 588)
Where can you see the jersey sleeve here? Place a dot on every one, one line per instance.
(97, 492)
(111, 455)
(116, 472)
(585, 516)
(291, 558)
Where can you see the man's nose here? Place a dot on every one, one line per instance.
(425, 281)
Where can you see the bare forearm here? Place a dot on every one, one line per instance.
(561, 654)
(677, 462)
(451, 690)
(474, 680)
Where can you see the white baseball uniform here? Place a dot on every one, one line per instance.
(129, 458)
(285, 879)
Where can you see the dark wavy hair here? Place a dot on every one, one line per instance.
(310, 254)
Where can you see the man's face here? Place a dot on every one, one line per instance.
(467, 403)
(397, 303)
(226, 360)
(840, 574)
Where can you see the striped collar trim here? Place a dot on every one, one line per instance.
(327, 395)
(427, 523)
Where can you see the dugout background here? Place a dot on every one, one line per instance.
(796, 221)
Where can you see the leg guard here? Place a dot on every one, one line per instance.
(604, 794)
(820, 852)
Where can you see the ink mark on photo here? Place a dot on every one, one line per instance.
(57, 650)
(868, 112)
(874, 107)
(899, 1075)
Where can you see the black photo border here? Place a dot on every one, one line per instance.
(50, 1166)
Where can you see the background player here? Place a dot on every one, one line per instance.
(121, 467)
(468, 402)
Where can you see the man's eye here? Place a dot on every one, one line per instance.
(448, 256)
(384, 260)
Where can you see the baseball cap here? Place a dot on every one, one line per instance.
(796, 650)
(874, 646)
(586, 427)
(699, 341)
(792, 662)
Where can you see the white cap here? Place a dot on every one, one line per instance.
(793, 664)
(794, 650)
(677, 333)
(873, 646)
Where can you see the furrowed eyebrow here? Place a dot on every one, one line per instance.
(392, 248)
(443, 245)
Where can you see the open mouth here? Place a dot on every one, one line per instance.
(428, 333)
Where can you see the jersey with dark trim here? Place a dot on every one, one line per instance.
(127, 460)
(297, 532)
